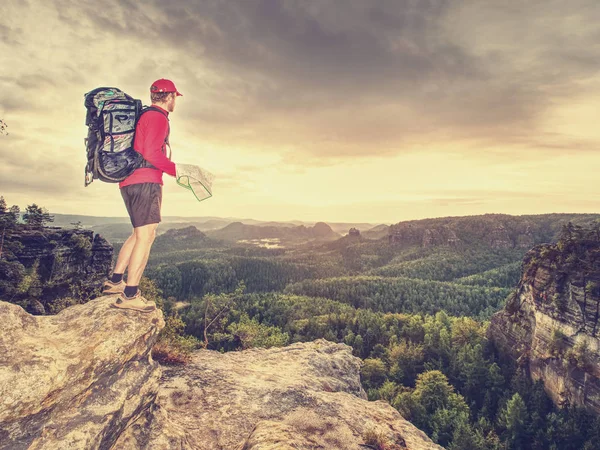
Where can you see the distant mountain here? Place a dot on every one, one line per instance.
(495, 230)
(114, 232)
(182, 234)
(239, 231)
(118, 232)
(187, 238)
(276, 224)
(489, 230)
(207, 223)
(66, 220)
(344, 227)
(213, 224)
(377, 232)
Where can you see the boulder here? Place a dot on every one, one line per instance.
(74, 380)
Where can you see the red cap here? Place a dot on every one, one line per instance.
(163, 85)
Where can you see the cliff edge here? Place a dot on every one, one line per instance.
(85, 379)
(550, 324)
(77, 379)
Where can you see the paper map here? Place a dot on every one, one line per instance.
(196, 179)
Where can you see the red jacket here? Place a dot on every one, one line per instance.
(150, 134)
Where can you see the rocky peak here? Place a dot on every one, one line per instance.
(179, 234)
(550, 323)
(355, 232)
(321, 229)
(85, 379)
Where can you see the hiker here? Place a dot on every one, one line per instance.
(142, 194)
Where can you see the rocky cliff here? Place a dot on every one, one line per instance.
(550, 324)
(85, 379)
(498, 231)
(75, 380)
(40, 266)
(493, 230)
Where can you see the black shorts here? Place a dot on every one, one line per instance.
(143, 201)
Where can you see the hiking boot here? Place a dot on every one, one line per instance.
(137, 303)
(113, 288)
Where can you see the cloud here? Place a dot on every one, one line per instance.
(279, 89)
(350, 78)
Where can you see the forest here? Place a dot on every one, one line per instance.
(416, 314)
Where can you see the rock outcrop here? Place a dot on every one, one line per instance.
(77, 379)
(354, 232)
(321, 230)
(303, 396)
(181, 239)
(550, 324)
(68, 263)
(493, 230)
(85, 379)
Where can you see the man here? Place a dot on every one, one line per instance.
(142, 194)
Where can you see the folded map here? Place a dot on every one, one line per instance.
(196, 179)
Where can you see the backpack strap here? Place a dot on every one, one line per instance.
(145, 109)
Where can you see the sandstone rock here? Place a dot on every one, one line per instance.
(85, 379)
(355, 232)
(76, 379)
(498, 231)
(303, 396)
(323, 231)
(498, 237)
(71, 263)
(550, 324)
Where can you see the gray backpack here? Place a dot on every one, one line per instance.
(112, 116)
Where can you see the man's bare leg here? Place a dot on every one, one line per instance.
(125, 254)
(144, 237)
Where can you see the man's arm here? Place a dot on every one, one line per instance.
(151, 139)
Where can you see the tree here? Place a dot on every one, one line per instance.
(218, 305)
(250, 333)
(169, 280)
(373, 372)
(434, 406)
(465, 437)
(37, 216)
(406, 360)
(3, 222)
(8, 220)
(8, 216)
(31, 284)
(14, 213)
(3, 128)
(82, 247)
(512, 418)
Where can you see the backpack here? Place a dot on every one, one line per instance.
(111, 117)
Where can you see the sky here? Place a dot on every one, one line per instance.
(319, 110)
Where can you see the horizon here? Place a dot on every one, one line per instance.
(329, 111)
(367, 222)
